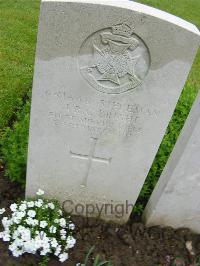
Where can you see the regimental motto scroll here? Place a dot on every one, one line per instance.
(114, 60)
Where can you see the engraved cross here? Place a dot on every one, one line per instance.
(90, 158)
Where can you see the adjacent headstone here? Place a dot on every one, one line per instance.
(175, 201)
(108, 75)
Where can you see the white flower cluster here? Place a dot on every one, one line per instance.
(37, 226)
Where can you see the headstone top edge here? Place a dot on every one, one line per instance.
(139, 8)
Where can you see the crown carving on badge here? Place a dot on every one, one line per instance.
(122, 29)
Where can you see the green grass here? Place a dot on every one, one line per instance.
(18, 29)
(18, 20)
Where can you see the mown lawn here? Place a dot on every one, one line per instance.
(18, 28)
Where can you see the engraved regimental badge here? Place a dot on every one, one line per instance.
(114, 60)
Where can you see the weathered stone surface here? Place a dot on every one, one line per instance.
(175, 200)
(108, 75)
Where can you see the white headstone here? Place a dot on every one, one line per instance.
(108, 75)
(176, 199)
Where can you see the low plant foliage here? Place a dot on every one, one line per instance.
(14, 145)
(97, 261)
